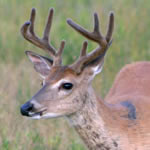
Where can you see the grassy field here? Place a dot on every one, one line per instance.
(18, 81)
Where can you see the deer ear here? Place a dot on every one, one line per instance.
(42, 64)
(96, 66)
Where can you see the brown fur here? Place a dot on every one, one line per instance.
(107, 126)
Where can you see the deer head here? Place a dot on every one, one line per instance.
(64, 87)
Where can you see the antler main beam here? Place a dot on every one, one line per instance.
(28, 33)
(96, 36)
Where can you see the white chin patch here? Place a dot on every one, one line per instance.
(46, 116)
(36, 117)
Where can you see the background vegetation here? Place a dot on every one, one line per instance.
(18, 81)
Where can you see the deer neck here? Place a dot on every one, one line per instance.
(92, 123)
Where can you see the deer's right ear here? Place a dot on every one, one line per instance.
(42, 64)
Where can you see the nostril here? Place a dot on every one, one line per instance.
(30, 107)
(26, 108)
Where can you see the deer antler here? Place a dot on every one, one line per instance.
(28, 33)
(96, 36)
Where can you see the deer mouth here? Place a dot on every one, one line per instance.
(44, 115)
(37, 115)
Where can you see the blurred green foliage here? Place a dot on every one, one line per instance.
(131, 42)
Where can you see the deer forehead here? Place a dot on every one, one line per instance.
(57, 72)
(59, 75)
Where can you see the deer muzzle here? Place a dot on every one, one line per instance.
(26, 109)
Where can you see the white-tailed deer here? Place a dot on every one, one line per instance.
(121, 121)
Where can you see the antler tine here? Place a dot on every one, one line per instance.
(96, 30)
(58, 58)
(48, 25)
(96, 23)
(27, 31)
(84, 48)
(110, 27)
(62, 45)
(32, 20)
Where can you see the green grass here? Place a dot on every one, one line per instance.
(18, 81)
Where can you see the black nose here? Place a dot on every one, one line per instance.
(26, 108)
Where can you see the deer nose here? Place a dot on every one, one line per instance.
(26, 108)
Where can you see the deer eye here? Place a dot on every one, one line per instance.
(67, 86)
(42, 83)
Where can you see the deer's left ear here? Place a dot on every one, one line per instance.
(96, 66)
(42, 64)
